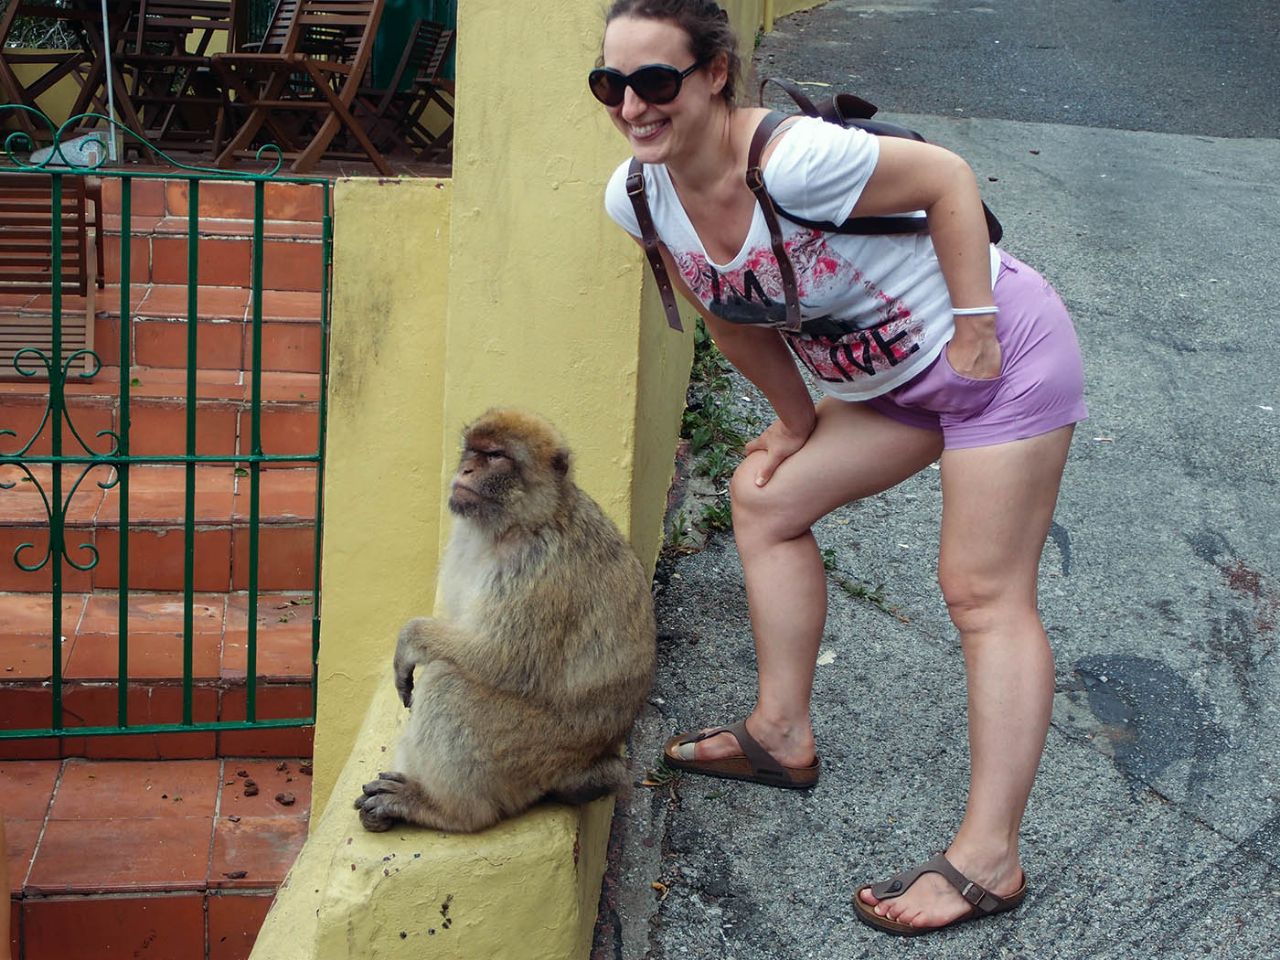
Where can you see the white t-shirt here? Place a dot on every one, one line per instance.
(875, 309)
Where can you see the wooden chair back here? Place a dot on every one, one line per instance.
(340, 31)
(28, 224)
(277, 28)
(168, 26)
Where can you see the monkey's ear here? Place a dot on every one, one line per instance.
(560, 462)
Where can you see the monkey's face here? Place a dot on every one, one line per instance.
(514, 471)
(486, 479)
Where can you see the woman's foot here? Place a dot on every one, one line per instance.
(747, 759)
(931, 902)
(790, 745)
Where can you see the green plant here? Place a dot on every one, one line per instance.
(661, 776)
(860, 589)
(680, 536)
(41, 32)
(717, 463)
(716, 431)
(717, 515)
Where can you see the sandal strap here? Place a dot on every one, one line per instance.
(761, 760)
(978, 897)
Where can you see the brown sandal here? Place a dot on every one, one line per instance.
(982, 903)
(756, 766)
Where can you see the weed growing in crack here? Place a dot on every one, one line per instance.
(857, 588)
(716, 433)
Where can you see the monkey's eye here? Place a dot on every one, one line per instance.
(492, 455)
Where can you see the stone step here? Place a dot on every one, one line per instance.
(160, 217)
(157, 539)
(219, 199)
(158, 859)
(289, 421)
(292, 256)
(90, 630)
(291, 336)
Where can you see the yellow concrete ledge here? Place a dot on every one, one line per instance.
(526, 889)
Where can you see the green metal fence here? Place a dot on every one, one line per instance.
(72, 457)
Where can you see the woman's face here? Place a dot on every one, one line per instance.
(660, 133)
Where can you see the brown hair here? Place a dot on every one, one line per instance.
(705, 23)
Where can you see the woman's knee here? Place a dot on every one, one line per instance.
(763, 511)
(977, 601)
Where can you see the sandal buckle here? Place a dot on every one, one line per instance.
(973, 893)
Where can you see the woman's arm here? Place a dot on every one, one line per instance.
(760, 355)
(921, 176)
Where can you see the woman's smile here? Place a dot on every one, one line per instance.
(644, 132)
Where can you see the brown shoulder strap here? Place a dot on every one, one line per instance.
(649, 237)
(755, 183)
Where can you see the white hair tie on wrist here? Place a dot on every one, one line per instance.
(973, 311)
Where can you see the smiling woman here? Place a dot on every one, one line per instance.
(928, 347)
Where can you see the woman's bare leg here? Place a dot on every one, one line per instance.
(997, 506)
(853, 452)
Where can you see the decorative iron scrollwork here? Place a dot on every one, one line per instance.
(59, 162)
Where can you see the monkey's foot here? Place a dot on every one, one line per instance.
(389, 800)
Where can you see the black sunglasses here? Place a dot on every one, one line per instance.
(655, 83)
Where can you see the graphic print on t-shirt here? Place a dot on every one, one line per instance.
(834, 350)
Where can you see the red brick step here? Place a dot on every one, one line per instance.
(90, 664)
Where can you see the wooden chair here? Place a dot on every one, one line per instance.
(393, 116)
(303, 94)
(277, 29)
(86, 64)
(165, 55)
(27, 227)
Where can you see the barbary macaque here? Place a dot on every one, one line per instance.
(528, 688)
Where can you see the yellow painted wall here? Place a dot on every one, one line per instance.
(56, 102)
(544, 288)
(382, 474)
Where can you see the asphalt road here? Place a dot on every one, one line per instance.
(1130, 150)
(1169, 66)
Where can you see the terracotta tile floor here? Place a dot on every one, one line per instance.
(125, 858)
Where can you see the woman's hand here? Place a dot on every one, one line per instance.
(974, 351)
(777, 442)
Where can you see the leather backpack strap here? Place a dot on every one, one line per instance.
(649, 237)
(755, 183)
(795, 93)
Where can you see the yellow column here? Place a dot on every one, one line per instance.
(544, 290)
(382, 471)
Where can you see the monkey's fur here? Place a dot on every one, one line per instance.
(528, 689)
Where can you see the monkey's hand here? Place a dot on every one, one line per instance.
(411, 650)
(403, 667)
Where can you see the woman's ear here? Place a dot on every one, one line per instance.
(718, 72)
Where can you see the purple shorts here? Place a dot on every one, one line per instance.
(1041, 382)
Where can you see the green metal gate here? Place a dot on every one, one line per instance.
(73, 454)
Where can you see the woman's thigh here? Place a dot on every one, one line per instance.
(853, 452)
(997, 504)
